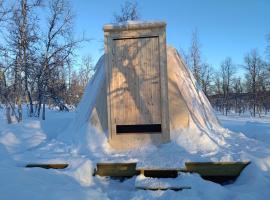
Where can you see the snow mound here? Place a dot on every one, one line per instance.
(204, 139)
(90, 95)
(203, 134)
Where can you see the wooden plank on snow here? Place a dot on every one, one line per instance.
(48, 166)
(163, 188)
(159, 173)
(218, 172)
(116, 169)
(216, 168)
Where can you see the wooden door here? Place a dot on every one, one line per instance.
(135, 82)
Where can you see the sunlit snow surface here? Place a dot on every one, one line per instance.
(68, 138)
(76, 181)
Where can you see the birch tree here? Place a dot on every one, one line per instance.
(86, 70)
(227, 73)
(21, 39)
(129, 11)
(254, 68)
(206, 78)
(29, 36)
(58, 45)
(195, 57)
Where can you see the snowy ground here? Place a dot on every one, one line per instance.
(38, 141)
(256, 128)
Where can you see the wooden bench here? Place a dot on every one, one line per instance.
(116, 169)
(129, 170)
(219, 172)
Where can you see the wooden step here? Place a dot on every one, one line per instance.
(116, 169)
(129, 170)
(48, 166)
(159, 173)
(219, 172)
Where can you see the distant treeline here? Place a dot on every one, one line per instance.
(229, 89)
(241, 103)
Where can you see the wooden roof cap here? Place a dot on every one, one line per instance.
(133, 25)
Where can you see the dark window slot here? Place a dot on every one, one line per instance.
(139, 128)
(141, 37)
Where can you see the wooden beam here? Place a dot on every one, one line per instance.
(216, 168)
(159, 173)
(218, 172)
(116, 169)
(164, 188)
(47, 166)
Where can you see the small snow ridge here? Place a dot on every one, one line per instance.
(83, 173)
(9, 140)
(33, 124)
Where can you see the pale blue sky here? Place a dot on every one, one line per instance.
(226, 28)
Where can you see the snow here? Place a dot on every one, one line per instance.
(133, 24)
(203, 140)
(256, 128)
(147, 182)
(76, 182)
(69, 138)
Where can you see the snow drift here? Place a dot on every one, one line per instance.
(195, 131)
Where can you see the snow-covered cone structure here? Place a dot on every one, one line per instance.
(188, 106)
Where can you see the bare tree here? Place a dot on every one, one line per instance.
(86, 70)
(254, 66)
(76, 89)
(29, 37)
(268, 55)
(194, 61)
(21, 39)
(4, 12)
(4, 90)
(239, 105)
(35, 63)
(227, 72)
(58, 46)
(206, 78)
(217, 83)
(129, 11)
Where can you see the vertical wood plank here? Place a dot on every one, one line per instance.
(137, 86)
